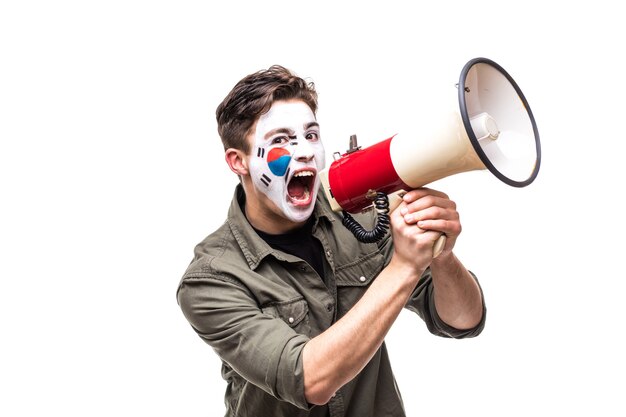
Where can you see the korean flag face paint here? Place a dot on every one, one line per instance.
(287, 155)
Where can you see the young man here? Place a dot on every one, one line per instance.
(294, 305)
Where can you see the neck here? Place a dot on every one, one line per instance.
(268, 222)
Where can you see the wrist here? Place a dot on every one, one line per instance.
(443, 259)
(407, 271)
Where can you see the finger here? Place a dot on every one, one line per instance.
(430, 213)
(397, 215)
(399, 223)
(427, 237)
(418, 193)
(448, 227)
(400, 210)
(430, 201)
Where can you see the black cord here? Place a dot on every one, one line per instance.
(381, 202)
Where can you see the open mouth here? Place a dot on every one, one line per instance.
(300, 186)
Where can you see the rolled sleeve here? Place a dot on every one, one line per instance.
(422, 302)
(261, 348)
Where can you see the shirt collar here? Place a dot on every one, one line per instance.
(252, 246)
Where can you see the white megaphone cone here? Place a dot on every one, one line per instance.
(491, 128)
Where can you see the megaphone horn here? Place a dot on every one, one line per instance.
(493, 128)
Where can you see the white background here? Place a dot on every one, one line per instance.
(111, 171)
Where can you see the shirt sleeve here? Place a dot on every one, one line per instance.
(261, 348)
(422, 302)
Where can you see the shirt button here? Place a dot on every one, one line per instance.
(362, 279)
(328, 252)
(303, 268)
(329, 307)
(291, 320)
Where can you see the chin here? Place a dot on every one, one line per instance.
(299, 213)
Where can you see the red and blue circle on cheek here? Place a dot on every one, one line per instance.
(278, 160)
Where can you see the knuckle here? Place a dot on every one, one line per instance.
(437, 212)
(431, 200)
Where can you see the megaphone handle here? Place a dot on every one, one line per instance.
(439, 245)
(394, 201)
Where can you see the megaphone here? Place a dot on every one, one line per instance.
(492, 129)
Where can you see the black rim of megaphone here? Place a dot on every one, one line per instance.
(468, 126)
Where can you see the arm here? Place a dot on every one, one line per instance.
(333, 358)
(458, 299)
(258, 346)
(336, 356)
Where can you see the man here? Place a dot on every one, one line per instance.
(294, 305)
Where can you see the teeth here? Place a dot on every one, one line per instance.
(304, 174)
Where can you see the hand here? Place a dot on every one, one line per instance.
(417, 223)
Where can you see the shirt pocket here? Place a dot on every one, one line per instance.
(295, 313)
(355, 277)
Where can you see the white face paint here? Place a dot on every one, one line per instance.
(287, 155)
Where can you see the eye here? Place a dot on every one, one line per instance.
(279, 140)
(312, 136)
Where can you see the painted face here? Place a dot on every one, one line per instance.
(287, 154)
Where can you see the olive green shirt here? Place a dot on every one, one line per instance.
(257, 307)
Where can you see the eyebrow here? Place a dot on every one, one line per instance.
(288, 131)
(278, 130)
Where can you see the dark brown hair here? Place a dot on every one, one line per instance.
(253, 96)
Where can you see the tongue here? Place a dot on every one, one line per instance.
(296, 188)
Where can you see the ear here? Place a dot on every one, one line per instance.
(237, 162)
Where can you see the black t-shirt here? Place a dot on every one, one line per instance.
(300, 243)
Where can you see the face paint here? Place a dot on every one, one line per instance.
(286, 158)
(278, 160)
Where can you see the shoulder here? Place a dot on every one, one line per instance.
(216, 255)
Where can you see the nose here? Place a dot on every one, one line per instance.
(303, 151)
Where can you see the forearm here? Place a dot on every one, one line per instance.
(337, 355)
(457, 295)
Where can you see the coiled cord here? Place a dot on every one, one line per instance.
(381, 202)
